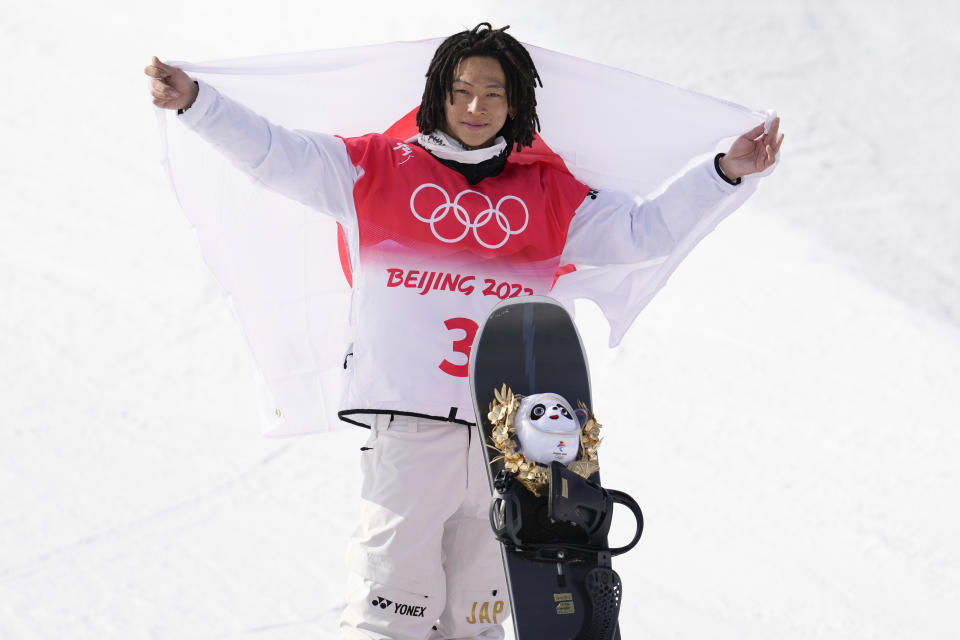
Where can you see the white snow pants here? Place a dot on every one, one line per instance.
(424, 563)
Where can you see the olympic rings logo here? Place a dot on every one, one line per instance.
(460, 213)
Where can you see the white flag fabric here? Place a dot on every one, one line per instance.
(278, 260)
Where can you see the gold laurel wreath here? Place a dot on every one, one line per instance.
(536, 477)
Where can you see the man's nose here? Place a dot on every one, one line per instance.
(474, 105)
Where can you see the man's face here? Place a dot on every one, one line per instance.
(480, 107)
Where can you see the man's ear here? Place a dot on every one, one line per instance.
(512, 113)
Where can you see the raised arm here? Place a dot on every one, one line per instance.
(612, 227)
(616, 228)
(312, 168)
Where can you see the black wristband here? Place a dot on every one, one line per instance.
(716, 165)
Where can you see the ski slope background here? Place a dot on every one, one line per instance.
(786, 411)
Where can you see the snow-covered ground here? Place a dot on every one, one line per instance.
(786, 411)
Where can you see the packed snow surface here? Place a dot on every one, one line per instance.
(786, 411)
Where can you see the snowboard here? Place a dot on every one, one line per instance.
(555, 552)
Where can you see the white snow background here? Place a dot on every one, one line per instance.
(786, 411)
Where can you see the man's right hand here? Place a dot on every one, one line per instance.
(171, 87)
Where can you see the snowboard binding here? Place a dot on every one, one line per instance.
(569, 525)
(574, 517)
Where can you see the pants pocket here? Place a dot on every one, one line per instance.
(377, 610)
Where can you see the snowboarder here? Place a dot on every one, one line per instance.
(439, 228)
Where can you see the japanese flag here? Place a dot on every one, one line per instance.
(278, 262)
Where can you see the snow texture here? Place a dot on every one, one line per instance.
(786, 410)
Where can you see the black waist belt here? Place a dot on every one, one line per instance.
(450, 417)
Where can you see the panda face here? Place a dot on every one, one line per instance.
(549, 413)
(547, 429)
(555, 412)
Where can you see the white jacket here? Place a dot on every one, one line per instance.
(396, 333)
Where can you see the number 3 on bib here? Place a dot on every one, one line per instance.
(469, 328)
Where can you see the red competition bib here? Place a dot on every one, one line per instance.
(436, 254)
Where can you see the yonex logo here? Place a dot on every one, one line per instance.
(483, 219)
(400, 608)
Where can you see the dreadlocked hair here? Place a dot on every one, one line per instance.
(522, 79)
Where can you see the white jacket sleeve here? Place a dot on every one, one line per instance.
(311, 168)
(614, 228)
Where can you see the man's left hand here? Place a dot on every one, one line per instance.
(752, 152)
